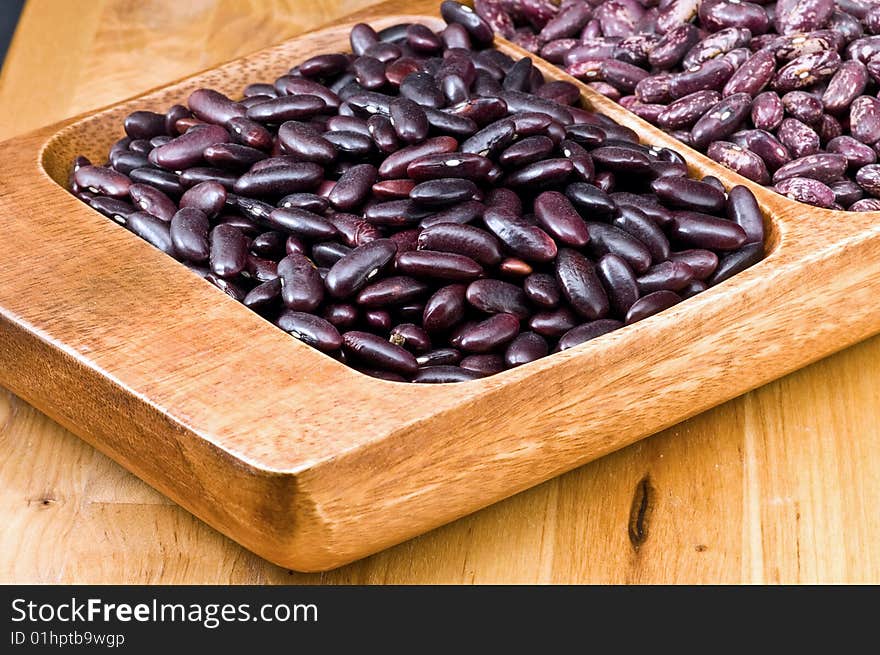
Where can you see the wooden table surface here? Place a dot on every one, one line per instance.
(779, 485)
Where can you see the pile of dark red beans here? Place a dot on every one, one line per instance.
(425, 209)
(784, 93)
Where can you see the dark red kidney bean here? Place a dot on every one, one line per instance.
(369, 72)
(589, 136)
(526, 151)
(188, 230)
(246, 225)
(409, 120)
(466, 240)
(443, 191)
(302, 288)
(443, 373)
(268, 244)
(712, 74)
(793, 16)
(302, 223)
(406, 240)
(489, 334)
(742, 209)
(392, 189)
(518, 77)
(125, 162)
(763, 144)
(502, 197)
(396, 290)
(637, 224)
(669, 275)
(256, 210)
(377, 352)
(846, 192)
(704, 231)
(520, 102)
(383, 134)
(231, 287)
(478, 30)
(523, 239)
(581, 160)
(302, 86)
(174, 114)
(304, 142)
(449, 165)
(608, 238)
(825, 167)
(326, 65)
(395, 213)
(560, 220)
(112, 208)
(646, 204)
(341, 315)
(464, 212)
(352, 272)
(214, 107)
(586, 332)
(515, 267)
(651, 304)
(497, 296)
(347, 124)
(198, 174)
(799, 139)
(378, 320)
(228, 251)
(685, 111)
(308, 201)
(490, 140)
(286, 108)
(806, 70)
(263, 295)
(802, 189)
(864, 119)
(559, 91)
(846, 85)
(714, 182)
(580, 285)
(280, 180)
(395, 165)
(233, 155)
(767, 111)
(553, 323)
(152, 201)
(591, 199)
(722, 120)
(165, 181)
(481, 111)
(445, 308)
(259, 89)
(186, 150)
(622, 160)
(421, 39)
(526, 347)
(753, 76)
(353, 230)
(541, 289)
(102, 180)
(209, 197)
(683, 193)
(701, 262)
(422, 88)
(144, 124)
(619, 283)
(250, 133)
(361, 37)
(739, 159)
(438, 265)
(353, 144)
(410, 336)
(857, 154)
(310, 329)
(540, 174)
(353, 187)
(736, 262)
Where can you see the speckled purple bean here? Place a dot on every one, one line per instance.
(799, 139)
(825, 167)
(802, 189)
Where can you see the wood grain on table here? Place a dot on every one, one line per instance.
(780, 485)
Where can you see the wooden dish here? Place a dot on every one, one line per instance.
(312, 464)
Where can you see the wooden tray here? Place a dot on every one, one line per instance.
(312, 464)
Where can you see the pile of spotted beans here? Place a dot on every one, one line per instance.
(783, 93)
(425, 209)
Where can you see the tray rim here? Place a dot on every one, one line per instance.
(783, 259)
